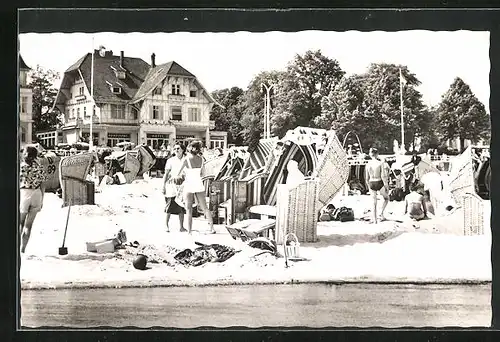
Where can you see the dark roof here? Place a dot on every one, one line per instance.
(136, 71)
(158, 74)
(22, 64)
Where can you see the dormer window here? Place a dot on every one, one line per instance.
(119, 73)
(176, 89)
(192, 93)
(114, 88)
(157, 91)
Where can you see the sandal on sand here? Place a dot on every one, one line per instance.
(183, 230)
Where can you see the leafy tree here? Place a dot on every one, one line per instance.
(462, 115)
(307, 79)
(228, 117)
(44, 95)
(369, 105)
(252, 107)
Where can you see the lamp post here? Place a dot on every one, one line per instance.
(267, 123)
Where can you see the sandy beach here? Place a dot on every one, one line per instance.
(434, 252)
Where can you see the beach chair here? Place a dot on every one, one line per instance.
(252, 228)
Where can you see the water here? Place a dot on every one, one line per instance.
(309, 305)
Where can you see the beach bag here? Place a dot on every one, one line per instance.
(343, 214)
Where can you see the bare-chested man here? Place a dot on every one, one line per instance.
(377, 178)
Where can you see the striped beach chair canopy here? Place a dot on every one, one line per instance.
(302, 144)
(162, 154)
(235, 159)
(212, 166)
(258, 158)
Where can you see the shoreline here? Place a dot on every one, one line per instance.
(143, 285)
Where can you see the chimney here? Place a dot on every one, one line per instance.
(121, 59)
(153, 64)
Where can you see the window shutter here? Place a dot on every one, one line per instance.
(151, 112)
(160, 116)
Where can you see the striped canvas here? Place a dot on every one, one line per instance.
(259, 157)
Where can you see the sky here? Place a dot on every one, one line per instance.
(224, 60)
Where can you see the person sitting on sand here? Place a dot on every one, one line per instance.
(377, 177)
(415, 204)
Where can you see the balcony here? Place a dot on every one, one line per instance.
(197, 125)
(80, 97)
(178, 98)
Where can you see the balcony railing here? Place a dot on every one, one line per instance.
(194, 124)
(176, 97)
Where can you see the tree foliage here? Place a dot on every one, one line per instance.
(44, 95)
(307, 79)
(462, 115)
(369, 105)
(228, 117)
(252, 106)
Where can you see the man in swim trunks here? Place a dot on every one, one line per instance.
(377, 178)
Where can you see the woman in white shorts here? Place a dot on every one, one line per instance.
(193, 185)
(32, 177)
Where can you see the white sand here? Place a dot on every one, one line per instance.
(351, 251)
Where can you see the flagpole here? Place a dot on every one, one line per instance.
(91, 138)
(402, 110)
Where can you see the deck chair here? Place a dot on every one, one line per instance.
(250, 229)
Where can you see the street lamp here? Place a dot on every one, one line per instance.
(267, 124)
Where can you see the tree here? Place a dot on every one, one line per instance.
(44, 95)
(369, 105)
(228, 117)
(307, 79)
(252, 107)
(462, 115)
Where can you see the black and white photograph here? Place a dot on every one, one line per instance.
(254, 179)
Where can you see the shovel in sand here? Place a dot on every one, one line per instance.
(64, 250)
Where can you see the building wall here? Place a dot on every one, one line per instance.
(25, 109)
(79, 105)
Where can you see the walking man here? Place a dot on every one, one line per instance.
(377, 178)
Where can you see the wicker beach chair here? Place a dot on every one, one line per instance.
(473, 207)
(462, 176)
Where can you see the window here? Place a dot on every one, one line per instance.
(23, 135)
(194, 114)
(73, 113)
(22, 79)
(176, 89)
(24, 104)
(93, 110)
(156, 140)
(85, 111)
(135, 113)
(117, 111)
(115, 138)
(81, 90)
(192, 93)
(157, 91)
(176, 112)
(78, 113)
(157, 113)
(117, 90)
